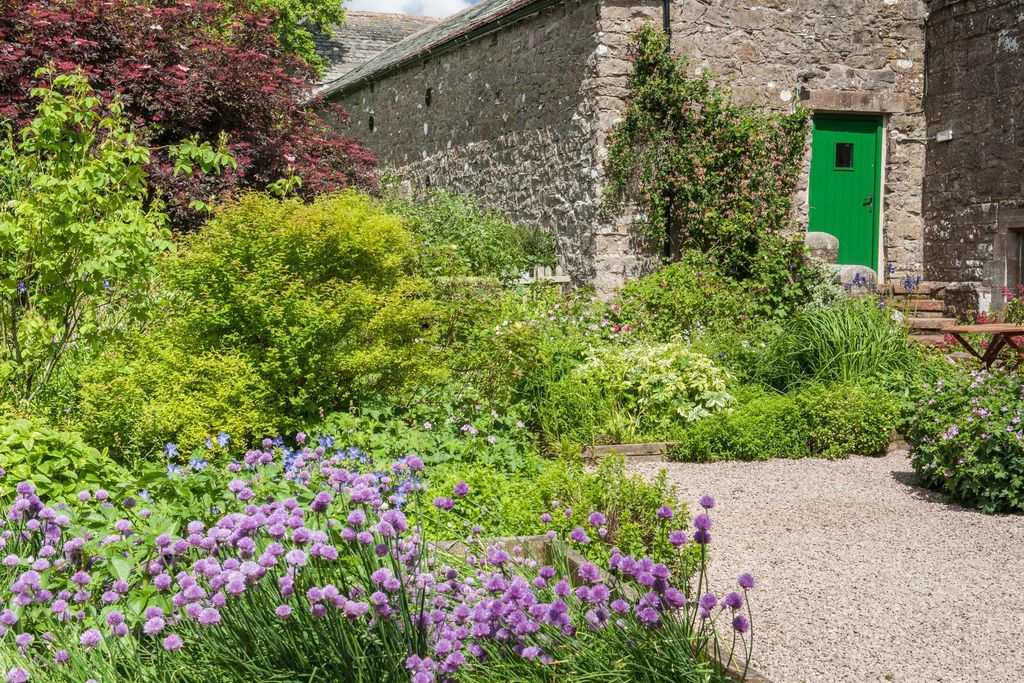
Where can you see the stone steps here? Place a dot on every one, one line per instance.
(929, 325)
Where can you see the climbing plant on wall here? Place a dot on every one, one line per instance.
(706, 173)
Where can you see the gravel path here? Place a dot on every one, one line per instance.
(861, 576)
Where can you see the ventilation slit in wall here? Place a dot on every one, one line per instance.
(370, 122)
(430, 96)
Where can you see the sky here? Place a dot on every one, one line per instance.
(429, 8)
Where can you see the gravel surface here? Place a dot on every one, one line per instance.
(862, 576)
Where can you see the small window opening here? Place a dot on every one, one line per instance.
(371, 123)
(426, 182)
(844, 155)
(430, 96)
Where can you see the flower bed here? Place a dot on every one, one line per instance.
(315, 568)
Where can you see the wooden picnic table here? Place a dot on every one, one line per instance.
(1001, 335)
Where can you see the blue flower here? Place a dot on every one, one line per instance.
(144, 494)
(170, 450)
(222, 439)
(326, 441)
(22, 288)
(173, 469)
(198, 464)
(277, 441)
(208, 443)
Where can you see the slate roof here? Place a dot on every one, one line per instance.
(462, 25)
(361, 37)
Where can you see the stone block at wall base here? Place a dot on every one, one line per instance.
(823, 246)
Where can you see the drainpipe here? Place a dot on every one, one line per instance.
(666, 18)
(666, 25)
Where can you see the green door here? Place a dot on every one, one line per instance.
(845, 184)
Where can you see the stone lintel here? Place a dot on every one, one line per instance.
(855, 101)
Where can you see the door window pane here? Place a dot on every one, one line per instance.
(844, 155)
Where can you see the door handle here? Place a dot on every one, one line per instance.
(869, 201)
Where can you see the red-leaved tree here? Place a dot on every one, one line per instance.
(185, 69)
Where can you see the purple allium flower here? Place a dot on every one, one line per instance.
(154, 626)
(741, 623)
(209, 617)
(90, 638)
(283, 611)
(84, 496)
(172, 642)
(745, 581)
(101, 495)
(61, 657)
(596, 519)
(295, 558)
(442, 503)
(460, 489)
(707, 502)
(677, 538)
(732, 600)
(708, 601)
(702, 522)
(414, 463)
(578, 535)
(531, 652)
(17, 675)
(545, 518)
(665, 512)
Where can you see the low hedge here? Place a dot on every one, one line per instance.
(816, 421)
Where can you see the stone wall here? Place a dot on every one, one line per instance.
(510, 119)
(974, 187)
(864, 56)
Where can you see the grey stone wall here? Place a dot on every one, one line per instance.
(521, 116)
(974, 187)
(510, 119)
(863, 56)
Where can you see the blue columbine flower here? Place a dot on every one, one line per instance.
(170, 450)
(222, 439)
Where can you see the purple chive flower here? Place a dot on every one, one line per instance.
(732, 600)
(296, 558)
(17, 675)
(677, 538)
(414, 463)
(283, 611)
(172, 642)
(460, 489)
(707, 502)
(665, 512)
(90, 639)
(708, 601)
(545, 518)
(443, 503)
(596, 519)
(209, 617)
(741, 623)
(578, 535)
(745, 581)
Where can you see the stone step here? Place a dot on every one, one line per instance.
(919, 324)
(920, 305)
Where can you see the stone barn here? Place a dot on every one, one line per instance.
(513, 100)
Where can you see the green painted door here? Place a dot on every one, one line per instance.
(845, 184)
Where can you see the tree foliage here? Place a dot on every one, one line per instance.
(206, 71)
(720, 174)
(78, 240)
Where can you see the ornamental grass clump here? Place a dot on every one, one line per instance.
(317, 570)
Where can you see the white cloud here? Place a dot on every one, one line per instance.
(428, 8)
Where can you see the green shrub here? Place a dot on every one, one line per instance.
(459, 237)
(278, 312)
(816, 421)
(847, 343)
(138, 397)
(59, 463)
(79, 241)
(967, 434)
(320, 297)
(631, 393)
(683, 298)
